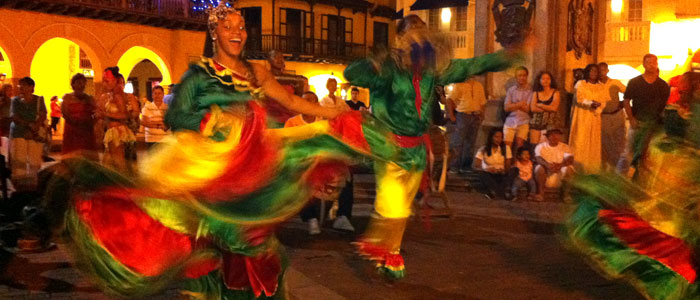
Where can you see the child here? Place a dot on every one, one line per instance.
(523, 168)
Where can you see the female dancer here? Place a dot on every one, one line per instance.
(646, 231)
(113, 110)
(208, 197)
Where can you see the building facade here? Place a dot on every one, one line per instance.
(50, 40)
(636, 27)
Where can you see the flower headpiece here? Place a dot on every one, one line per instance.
(219, 13)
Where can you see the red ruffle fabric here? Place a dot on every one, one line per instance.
(646, 240)
(348, 127)
(130, 235)
(259, 273)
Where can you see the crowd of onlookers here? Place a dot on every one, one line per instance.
(605, 134)
(110, 122)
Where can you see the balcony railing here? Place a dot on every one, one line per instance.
(457, 40)
(305, 49)
(160, 13)
(628, 32)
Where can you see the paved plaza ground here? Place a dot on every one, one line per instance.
(488, 250)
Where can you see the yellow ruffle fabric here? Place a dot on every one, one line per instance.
(118, 135)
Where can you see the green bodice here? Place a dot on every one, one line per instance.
(205, 84)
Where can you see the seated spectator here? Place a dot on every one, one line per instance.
(335, 186)
(521, 175)
(554, 162)
(492, 161)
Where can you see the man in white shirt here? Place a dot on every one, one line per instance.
(152, 117)
(554, 162)
(468, 99)
(332, 101)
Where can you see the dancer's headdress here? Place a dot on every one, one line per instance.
(219, 13)
(216, 14)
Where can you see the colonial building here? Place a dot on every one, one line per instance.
(153, 41)
(636, 27)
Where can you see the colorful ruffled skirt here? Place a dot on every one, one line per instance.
(203, 211)
(644, 231)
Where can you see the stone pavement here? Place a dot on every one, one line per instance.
(488, 250)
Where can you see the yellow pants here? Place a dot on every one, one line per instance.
(396, 189)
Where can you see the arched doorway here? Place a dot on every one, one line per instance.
(5, 67)
(143, 77)
(53, 65)
(143, 69)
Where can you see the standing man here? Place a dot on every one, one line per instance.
(645, 100)
(332, 101)
(294, 84)
(612, 119)
(517, 125)
(469, 100)
(355, 103)
(152, 116)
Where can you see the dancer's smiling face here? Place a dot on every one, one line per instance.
(231, 35)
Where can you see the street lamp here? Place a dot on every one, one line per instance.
(446, 15)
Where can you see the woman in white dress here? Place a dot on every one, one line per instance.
(585, 135)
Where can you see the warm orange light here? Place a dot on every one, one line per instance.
(669, 43)
(135, 55)
(317, 84)
(616, 6)
(446, 15)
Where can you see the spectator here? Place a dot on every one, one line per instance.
(113, 107)
(27, 135)
(544, 106)
(492, 161)
(517, 105)
(469, 100)
(612, 119)
(167, 99)
(276, 60)
(152, 116)
(585, 135)
(554, 162)
(79, 110)
(6, 94)
(300, 119)
(133, 107)
(337, 173)
(332, 101)
(645, 99)
(521, 175)
(355, 103)
(55, 114)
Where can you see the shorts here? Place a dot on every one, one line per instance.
(509, 133)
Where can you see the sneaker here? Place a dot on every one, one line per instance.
(342, 223)
(314, 229)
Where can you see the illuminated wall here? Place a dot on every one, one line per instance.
(667, 42)
(53, 65)
(5, 66)
(135, 55)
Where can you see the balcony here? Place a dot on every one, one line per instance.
(626, 41)
(172, 14)
(304, 49)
